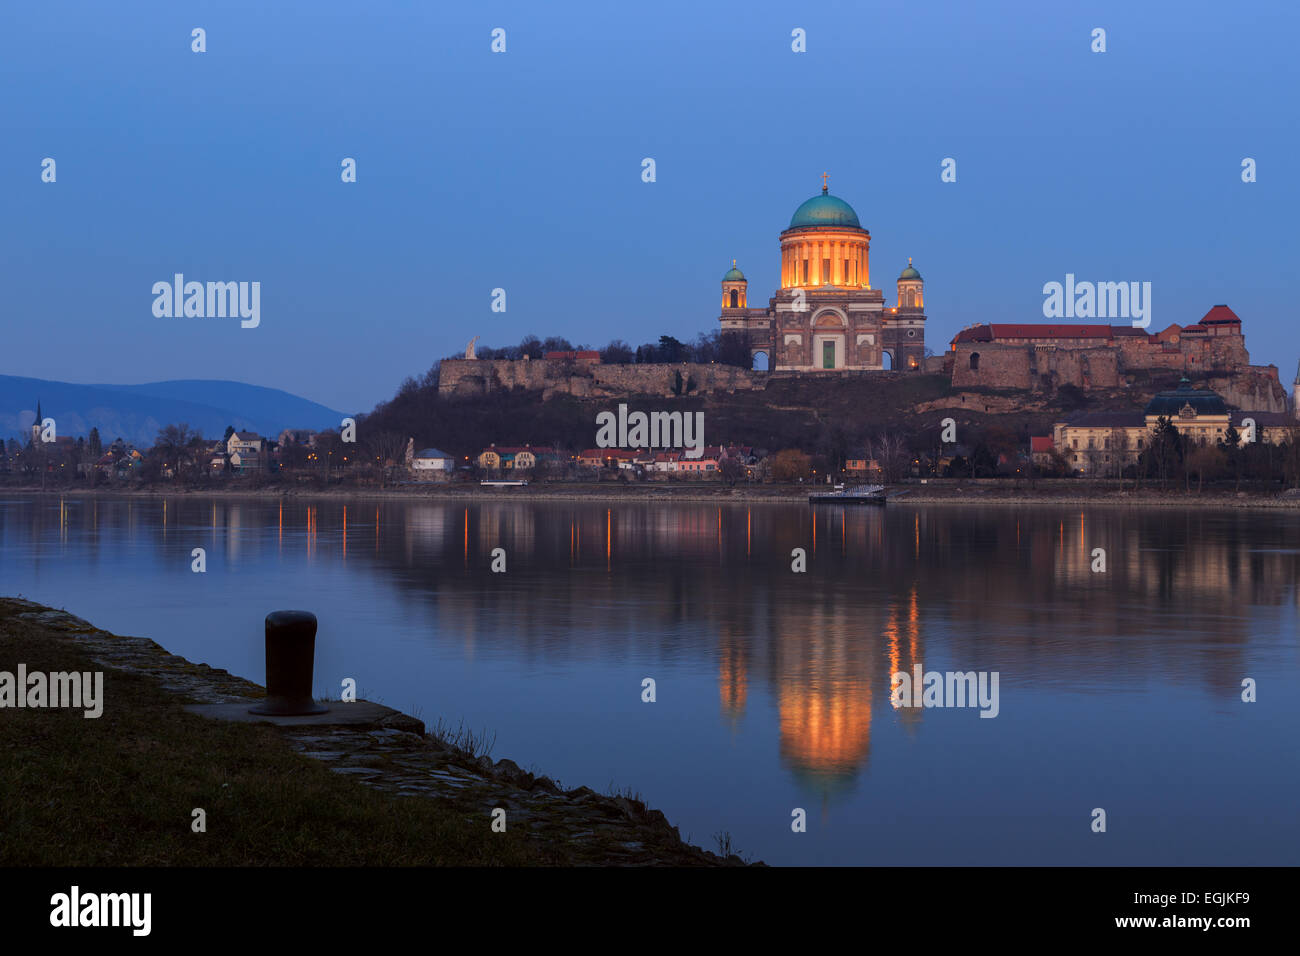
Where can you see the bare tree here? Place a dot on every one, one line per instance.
(891, 452)
(173, 442)
(386, 446)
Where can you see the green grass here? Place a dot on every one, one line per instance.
(119, 790)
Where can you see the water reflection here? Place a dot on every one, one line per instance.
(1188, 599)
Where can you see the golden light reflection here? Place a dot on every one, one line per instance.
(733, 679)
(826, 727)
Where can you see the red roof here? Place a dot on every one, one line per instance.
(1040, 443)
(1025, 330)
(1220, 315)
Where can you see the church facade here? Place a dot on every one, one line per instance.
(826, 316)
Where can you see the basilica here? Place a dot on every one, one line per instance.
(826, 316)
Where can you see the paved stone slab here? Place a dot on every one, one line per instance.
(361, 713)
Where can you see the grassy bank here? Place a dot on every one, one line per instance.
(119, 790)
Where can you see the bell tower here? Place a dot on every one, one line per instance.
(734, 287)
(911, 288)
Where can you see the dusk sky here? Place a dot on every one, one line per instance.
(522, 170)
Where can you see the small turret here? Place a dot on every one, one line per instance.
(911, 288)
(734, 288)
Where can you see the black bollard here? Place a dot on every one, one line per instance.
(290, 654)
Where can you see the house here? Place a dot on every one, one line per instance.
(666, 461)
(859, 462)
(708, 462)
(430, 461)
(1040, 450)
(1104, 443)
(298, 436)
(517, 457)
(245, 462)
(595, 458)
(244, 442)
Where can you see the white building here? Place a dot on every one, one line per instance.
(431, 461)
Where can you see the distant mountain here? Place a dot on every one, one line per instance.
(136, 412)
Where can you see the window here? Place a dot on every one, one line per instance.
(974, 361)
(735, 298)
(805, 272)
(826, 272)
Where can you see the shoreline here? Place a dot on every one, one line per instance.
(439, 772)
(951, 492)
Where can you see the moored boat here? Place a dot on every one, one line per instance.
(862, 494)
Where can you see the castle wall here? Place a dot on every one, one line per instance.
(466, 377)
(999, 366)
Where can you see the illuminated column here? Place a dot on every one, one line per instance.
(835, 263)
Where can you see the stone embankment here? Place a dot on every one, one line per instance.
(394, 754)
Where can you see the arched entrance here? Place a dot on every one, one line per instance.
(887, 360)
(760, 361)
(828, 344)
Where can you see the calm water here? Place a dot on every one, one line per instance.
(1118, 690)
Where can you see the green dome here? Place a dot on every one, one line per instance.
(909, 272)
(734, 274)
(1202, 401)
(825, 210)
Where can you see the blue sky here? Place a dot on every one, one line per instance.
(522, 170)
